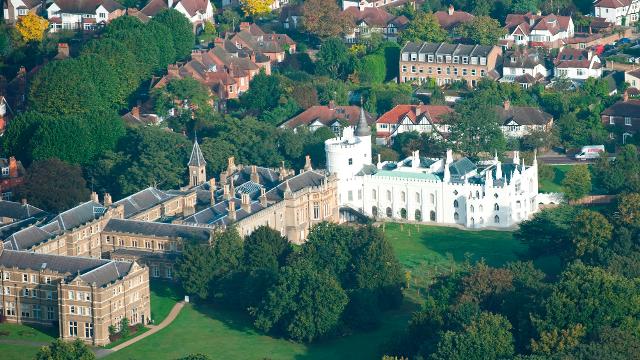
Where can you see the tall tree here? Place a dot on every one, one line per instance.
(304, 304)
(334, 59)
(475, 128)
(256, 7)
(42, 176)
(577, 182)
(31, 27)
(266, 249)
(487, 337)
(591, 232)
(181, 31)
(482, 30)
(324, 19)
(424, 27)
(194, 268)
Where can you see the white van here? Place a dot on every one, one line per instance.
(590, 152)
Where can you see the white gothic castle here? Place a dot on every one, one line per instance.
(443, 191)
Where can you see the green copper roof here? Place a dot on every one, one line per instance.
(407, 175)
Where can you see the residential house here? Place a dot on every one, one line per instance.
(617, 12)
(549, 31)
(291, 16)
(11, 212)
(451, 18)
(577, 64)
(14, 9)
(632, 78)
(82, 15)
(524, 67)
(370, 20)
(275, 4)
(12, 175)
(197, 11)
(5, 114)
(83, 297)
(518, 121)
(448, 63)
(225, 70)
(333, 116)
(373, 3)
(406, 118)
(253, 38)
(622, 119)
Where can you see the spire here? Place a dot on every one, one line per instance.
(287, 190)
(196, 159)
(362, 129)
(535, 157)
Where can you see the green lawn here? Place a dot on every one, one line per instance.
(423, 250)
(23, 333)
(555, 184)
(164, 295)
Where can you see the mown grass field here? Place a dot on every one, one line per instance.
(423, 250)
(26, 340)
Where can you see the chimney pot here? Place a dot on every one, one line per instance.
(450, 10)
(24, 201)
(107, 199)
(507, 104)
(13, 167)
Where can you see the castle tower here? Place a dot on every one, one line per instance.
(363, 133)
(197, 171)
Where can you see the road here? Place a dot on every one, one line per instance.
(561, 160)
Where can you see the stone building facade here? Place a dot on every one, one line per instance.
(81, 296)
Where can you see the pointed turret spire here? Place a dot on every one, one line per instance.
(362, 129)
(196, 159)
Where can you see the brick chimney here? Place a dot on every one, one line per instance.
(172, 70)
(418, 111)
(218, 42)
(450, 10)
(245, 26)
(332, 105)
(196, 55)
(63, 51)
(625, 96)
(135, 111)
(94, 197)
(24, 201)
(506, 104)
(232, 210)
(307, 163)
(254, 174)
(13, 167)
(107, 200)
(231, 164)
(246, 203)
(225, 192)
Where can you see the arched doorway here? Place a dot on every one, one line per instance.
(418, 215)
(389, 212)
(403, 213)
(432, 215)
(374, 211)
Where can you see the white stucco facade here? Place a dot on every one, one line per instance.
(440, 191)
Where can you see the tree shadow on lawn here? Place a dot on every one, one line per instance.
(357, 345)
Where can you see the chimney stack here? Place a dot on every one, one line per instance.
(332, 105)
(13, 167)
(232, 210)
(245, 26)
(625, 96)
(63, 51)
(263, 197)
(107, 200)
(507, 104)
(282, 172)
(172, 70)
(223, 177)
(231, 165)
(94, 197)
(24, 201)
(450, 10)
(225, 192)
(135, 111)
(307, 163)
(254, 174)
(246, 203)
(418, 111)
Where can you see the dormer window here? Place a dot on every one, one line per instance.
(5, 171)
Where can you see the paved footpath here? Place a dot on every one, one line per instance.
(100, 352)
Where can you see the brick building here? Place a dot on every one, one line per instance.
(448, 63)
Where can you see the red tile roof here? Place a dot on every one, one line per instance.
(450, 21)
(370, 15)
(574, 58)
(434, 112)
(528, 22)
(612, 3)
(326, 115)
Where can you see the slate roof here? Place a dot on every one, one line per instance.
(26, 238)
(78, 215)
(196, 159)
(151, 228)
(17, 211)
(326, 115)
(143, 200)
(218, 214)
(462, 167)
(523, 115)
(191, 6)
(296, 183)
(447, 49)
(574, 58)
(527, 59)
(144, 254)
(91, 270)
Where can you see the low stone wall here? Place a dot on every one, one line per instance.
(596, 199)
